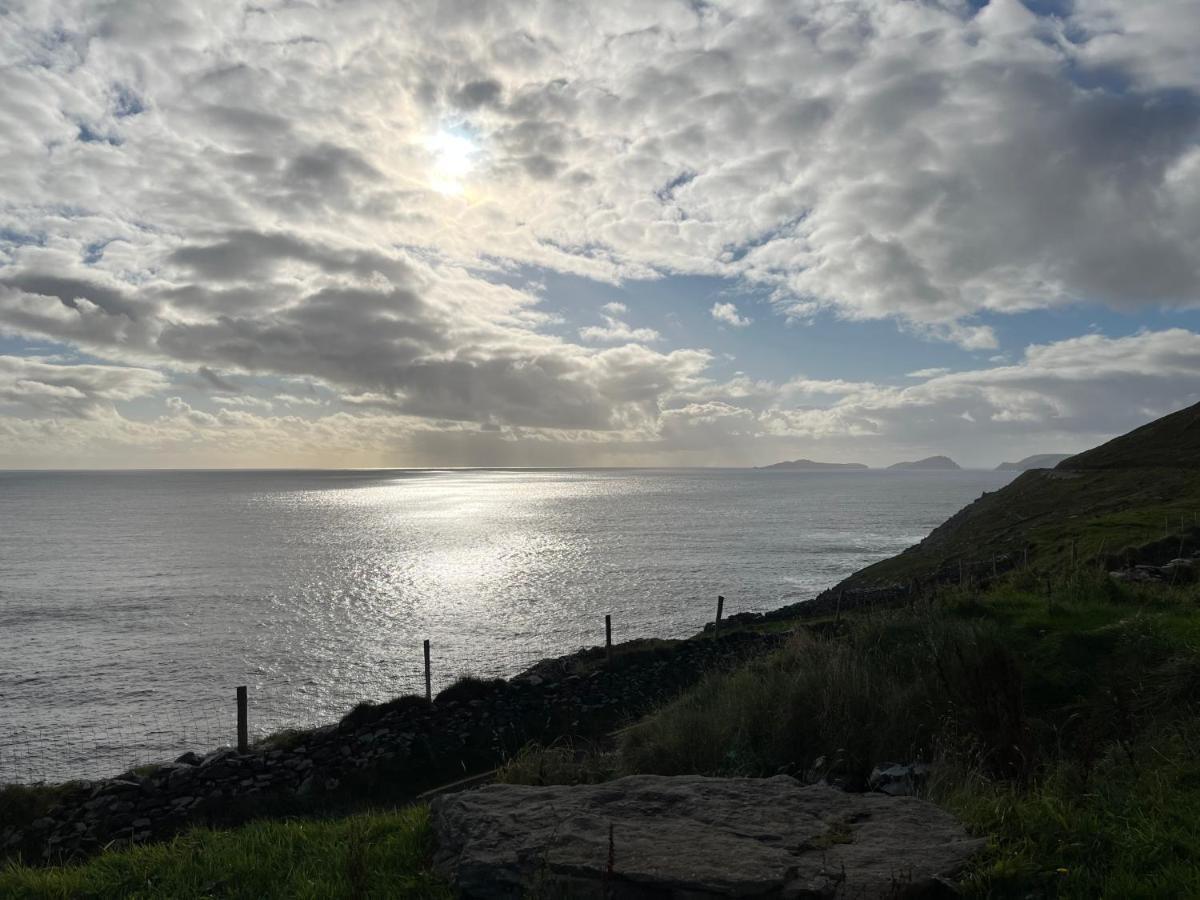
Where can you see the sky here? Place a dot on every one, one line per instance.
(647, 233)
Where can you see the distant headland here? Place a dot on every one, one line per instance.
(811, 464)
(929, 462)
(1037, 461)
(934, 463)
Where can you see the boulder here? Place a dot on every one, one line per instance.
(899, 780)
(1139, 575)
(694, 837)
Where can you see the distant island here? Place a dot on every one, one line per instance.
(930, 462)
(1037, 461)
(812, 464)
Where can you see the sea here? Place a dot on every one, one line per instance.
(134, 603)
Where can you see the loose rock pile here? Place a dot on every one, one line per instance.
(407, 746)
(1177, 571)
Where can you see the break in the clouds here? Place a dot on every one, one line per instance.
(409, 221)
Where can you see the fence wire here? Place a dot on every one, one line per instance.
(101, 744)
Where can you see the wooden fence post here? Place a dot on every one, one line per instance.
(428, 676)
(243, 721)
(837, 618)
(720, 612)
(608, 639)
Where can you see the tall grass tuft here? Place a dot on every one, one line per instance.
(886, 691)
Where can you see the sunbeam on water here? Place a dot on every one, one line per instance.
(144, 598)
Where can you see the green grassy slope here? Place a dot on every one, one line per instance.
(1065, 727)
(1140, 488)
(377, 855)
(1173, 440)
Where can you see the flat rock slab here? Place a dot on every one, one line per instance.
(650, 836)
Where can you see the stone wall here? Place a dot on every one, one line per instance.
(388, 752)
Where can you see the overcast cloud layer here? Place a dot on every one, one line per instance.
(303, 234)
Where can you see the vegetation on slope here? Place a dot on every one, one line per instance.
(1046, 516)
(1172, 441)
(1136, 489)
(379, 855)
(1065, 726)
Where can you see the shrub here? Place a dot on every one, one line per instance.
(563, 762)
(468, 688)
(365, 713)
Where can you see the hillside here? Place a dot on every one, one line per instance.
(1134, 490)
(1173, 440)
(811, 464)
(930, 462)
(1037, 461)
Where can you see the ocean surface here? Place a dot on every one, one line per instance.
(133, 603)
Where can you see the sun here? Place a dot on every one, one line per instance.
(454, 156)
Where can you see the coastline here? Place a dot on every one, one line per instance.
(389, 752)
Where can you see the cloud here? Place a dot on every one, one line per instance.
(906, 160)
(1065, 395)
(928, 373)
(232, 195)
(727, 313)
(45, 387)
(1077, 391)
(615, 331)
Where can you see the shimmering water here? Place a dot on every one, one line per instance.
(133, 603)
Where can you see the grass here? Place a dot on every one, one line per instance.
(1043, 513)
(26, 802)
(377, 855)
(564, 762)
(889, 687)
(1127, 827)
(1066, 727)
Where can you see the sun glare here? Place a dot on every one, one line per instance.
(453, 159)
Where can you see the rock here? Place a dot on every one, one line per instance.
(898, 780)
(1140, 575)
(695, 837)
(189, 759)
(216, 757)
(1179, 571)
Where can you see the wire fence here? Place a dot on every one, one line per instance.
(89, 742)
